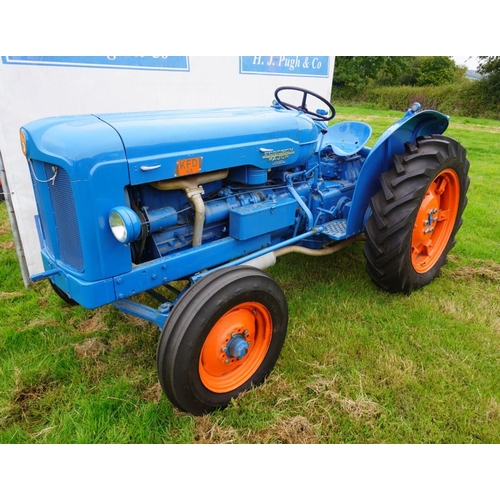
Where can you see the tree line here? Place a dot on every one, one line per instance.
(435, 81)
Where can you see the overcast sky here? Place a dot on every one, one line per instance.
(469, 61)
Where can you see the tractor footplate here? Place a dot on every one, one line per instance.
(335, 229)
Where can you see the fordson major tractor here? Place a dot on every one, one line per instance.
(192, 206)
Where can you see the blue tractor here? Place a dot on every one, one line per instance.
(192, 206)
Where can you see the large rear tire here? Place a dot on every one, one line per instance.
(416, 214)
(222, 337)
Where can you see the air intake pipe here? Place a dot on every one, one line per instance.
(193, 187)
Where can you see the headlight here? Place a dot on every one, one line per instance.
(22, 137)
(125, 224)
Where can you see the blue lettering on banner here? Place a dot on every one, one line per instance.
(161, 63)
(315, 66)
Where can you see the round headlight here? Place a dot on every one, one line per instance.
(125, 224)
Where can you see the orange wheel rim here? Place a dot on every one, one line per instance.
(435, 220)
(235, 347)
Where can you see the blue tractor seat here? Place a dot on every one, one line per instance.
(347, 138)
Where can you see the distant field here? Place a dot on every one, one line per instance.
(358, 365)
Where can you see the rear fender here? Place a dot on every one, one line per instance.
(414, 124)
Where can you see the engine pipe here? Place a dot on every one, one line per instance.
(193, 189)
(194, 195)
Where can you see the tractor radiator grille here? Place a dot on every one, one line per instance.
(42, 213)
(66, 224)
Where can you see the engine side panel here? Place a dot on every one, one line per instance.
(168, 144)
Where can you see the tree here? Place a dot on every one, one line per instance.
(436, 70)
(354, 71)
(424, 71)
(489, 66)
(398, 71)
(357, 71)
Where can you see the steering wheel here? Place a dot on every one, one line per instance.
(315, 116)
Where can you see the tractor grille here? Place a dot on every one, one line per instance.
(42, 214)
(67, 235)
(63, 204)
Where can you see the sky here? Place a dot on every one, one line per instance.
(469, 61)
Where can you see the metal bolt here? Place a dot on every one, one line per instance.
(223, 348)
(227, 361)
(245, 333)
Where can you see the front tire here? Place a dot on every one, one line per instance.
(416, 214)
(63, 295)
(223, 336)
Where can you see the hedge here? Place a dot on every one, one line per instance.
(465, 99)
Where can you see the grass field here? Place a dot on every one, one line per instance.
(358, 365)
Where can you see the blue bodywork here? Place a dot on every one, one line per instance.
(204, 188)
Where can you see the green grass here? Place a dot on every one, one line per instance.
(358, 365)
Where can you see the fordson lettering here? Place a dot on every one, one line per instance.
(280, 155)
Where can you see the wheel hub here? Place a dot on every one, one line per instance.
(237, 347)
(435, 220)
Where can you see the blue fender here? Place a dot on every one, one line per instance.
(392, 142)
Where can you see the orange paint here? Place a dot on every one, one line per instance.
(221, 373)
(188, 166)
(435, 220)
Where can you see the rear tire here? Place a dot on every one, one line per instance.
(222, 337)
(416, 214)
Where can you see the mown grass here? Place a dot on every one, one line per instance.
(358, 365)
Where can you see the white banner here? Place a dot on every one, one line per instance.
(37, 87)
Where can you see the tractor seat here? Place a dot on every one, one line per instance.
(347, 138)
